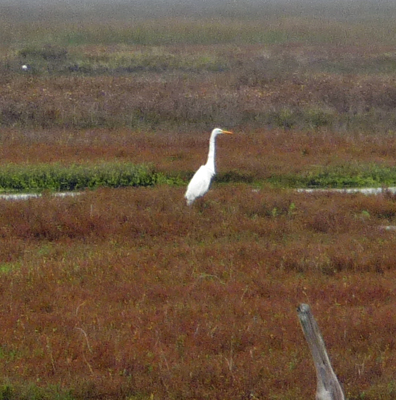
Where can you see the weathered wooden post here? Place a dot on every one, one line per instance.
(328, 387)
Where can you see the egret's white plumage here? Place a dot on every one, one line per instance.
(200, 182)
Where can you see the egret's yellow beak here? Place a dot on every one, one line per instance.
(228, 132)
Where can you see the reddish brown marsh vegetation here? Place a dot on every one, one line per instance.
(253, 153)
(123, 293)
(129, 293)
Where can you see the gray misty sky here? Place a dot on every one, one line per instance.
(337, 9)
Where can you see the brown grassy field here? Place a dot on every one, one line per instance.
(130, 294)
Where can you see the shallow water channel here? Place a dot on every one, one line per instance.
(367, 191)
(26, 196)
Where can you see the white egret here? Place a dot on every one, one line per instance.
(25, 67)
(200, 182)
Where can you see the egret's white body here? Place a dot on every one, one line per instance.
(200, 182)
(25, 67)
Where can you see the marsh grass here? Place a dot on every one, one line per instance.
(164, 89)
(74, 177)
(62, 160)
(272, 70)
(56, 177)
(339, 176)
(127, 293)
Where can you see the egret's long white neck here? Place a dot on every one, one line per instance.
(212, 152)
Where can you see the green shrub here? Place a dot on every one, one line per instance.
(342, 176)
(74, 177)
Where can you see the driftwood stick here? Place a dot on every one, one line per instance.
(328, 387)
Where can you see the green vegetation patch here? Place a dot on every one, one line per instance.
(75, 177)
(58, 59)
(5, 268)
(9, 391)
(341, 176)
(58, 177)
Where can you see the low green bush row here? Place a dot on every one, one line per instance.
(75, 177)
(56, 177)
(343, 176)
